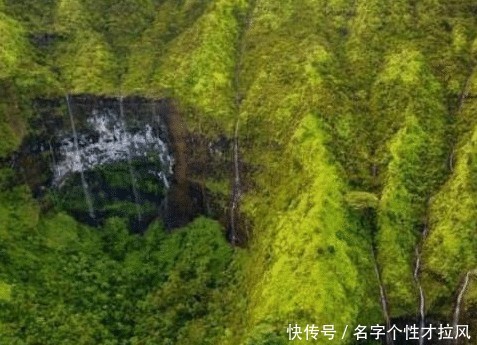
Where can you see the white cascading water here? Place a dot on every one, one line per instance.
(384, 303)
(458, 304)
(77, 162)
(112, 143)
(129, 159)
(422, 301)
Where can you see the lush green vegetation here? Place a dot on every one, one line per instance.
(65, 283)
(417, 161)
(357, 131)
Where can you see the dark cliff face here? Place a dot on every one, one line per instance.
(185, 198)
(98, 157)
(199, 163)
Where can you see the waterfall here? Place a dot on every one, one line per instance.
(422, 301)
(422, 305)
(384, 303)
(164, 156)
(236, 188)
(107, 141)
(129, 160)
(458, 305)
(78, 161)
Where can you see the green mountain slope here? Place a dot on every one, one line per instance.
(355, 130)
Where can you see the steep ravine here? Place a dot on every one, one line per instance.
(237, 235)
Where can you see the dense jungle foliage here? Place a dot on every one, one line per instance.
(357, 124)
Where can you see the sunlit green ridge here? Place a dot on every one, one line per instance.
(357, 132)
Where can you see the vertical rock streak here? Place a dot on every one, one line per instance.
(78, 161)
